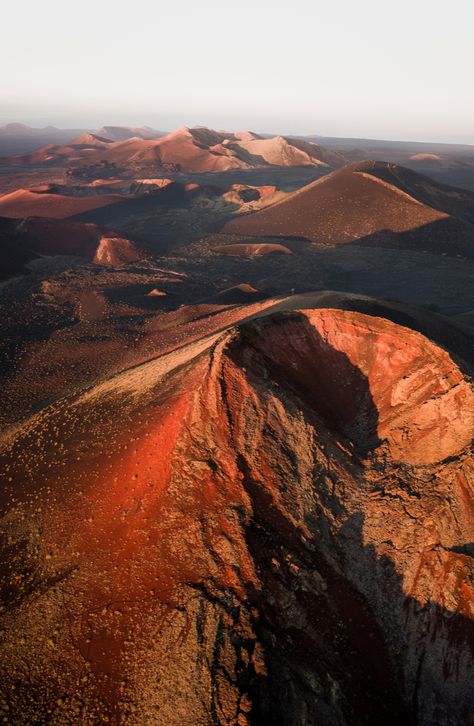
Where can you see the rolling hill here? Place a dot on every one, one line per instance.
(371, 203)
(22, 240)
(26, 203)
(187, 150)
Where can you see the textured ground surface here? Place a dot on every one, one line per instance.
(267, 525)
(237, 475)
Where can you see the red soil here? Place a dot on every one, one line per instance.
(245, 489)
(24, 203)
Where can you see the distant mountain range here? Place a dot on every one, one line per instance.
(187, 150)
(149, 151)
(18, 138)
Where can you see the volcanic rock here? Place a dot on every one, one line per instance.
(278, 534)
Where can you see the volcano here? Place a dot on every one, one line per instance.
(185, 149)
(269, 524)
(370, 203)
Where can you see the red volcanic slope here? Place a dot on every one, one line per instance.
(207, 150)
(24, 203)
(178, 150)
(355, 203)
(185, 149)
(182, 149)
(283, 151)
(225, 529)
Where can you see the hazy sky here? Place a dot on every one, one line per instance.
(369, 68)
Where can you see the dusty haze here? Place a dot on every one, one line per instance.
(340, 68)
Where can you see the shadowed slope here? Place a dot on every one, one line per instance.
(22, 240)
(353, 204)
(444, 198)
(199, 540)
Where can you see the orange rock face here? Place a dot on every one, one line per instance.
(376, 383)
(267, 525)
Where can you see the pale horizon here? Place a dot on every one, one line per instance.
(343, 70)
(65, 124)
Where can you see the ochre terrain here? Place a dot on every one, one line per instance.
(371, 204)
(25, 203)
(186, 150)
(236, 418)
(267, 525)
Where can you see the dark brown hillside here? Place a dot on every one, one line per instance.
(353, 205)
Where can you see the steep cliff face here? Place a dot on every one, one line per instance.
(267, 526)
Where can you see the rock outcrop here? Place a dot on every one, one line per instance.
(270, 525)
